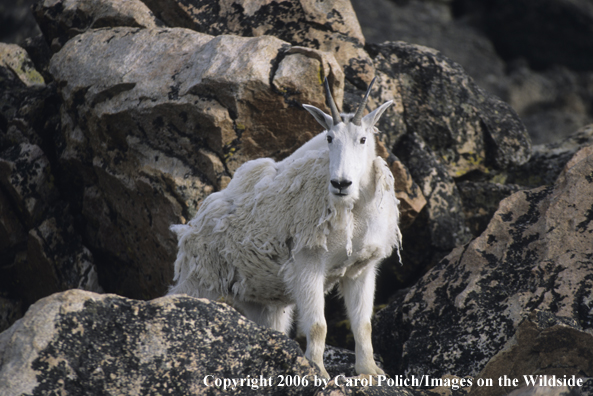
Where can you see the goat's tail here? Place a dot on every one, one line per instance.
(179, 230)
(181, 266)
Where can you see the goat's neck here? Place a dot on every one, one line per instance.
(367, 185)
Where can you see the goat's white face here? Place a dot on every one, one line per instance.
(351, 146)
(351, 152)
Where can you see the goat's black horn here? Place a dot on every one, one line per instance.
(356, 120)
(332, 105)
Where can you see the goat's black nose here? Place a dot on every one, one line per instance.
(340, 184)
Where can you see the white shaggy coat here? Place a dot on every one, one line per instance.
(276, 237)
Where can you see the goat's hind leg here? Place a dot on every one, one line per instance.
(358, 296)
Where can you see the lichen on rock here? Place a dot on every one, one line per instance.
(534, 254)
(84, 343)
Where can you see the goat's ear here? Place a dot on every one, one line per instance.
(371, 119)
(325, 120)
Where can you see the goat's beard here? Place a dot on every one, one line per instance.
(341, 217)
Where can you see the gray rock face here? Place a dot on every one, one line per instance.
(535, 254)
(22, 99)
(79, 343)
(18, 62)
(463, 125)
(441, 225)
(443, 128)
(25, 173)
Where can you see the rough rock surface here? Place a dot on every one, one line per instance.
(535, 254)
(26, 175)
(28, 107)
(77, 342)
(329, 26)
(544, 344)
(553, 99)
(465, 127)
(443, 127)
(411, 198)
(24, 112)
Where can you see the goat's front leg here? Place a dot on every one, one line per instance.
(358, 295)
(305, 280)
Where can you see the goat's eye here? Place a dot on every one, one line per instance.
(363, 140)
(329, 139)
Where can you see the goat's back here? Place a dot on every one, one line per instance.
(241, 236)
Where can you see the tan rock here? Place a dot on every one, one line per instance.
(18, 61)
(411, 198)
(409, 194)
(329, 26)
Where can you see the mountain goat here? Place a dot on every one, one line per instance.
(284, 233)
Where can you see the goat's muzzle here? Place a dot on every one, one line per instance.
(341, 186)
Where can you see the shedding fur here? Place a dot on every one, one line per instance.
(282, 234)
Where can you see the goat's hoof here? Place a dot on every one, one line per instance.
(324, 372)
(370, 370)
